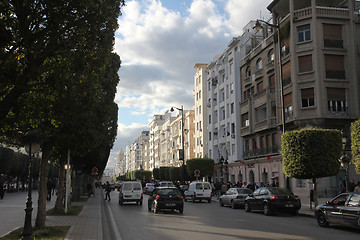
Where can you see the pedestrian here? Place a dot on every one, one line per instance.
(107, 191)
(89, 189)
(352, 186)
(2, 191)
(357, 188)
(49, 189)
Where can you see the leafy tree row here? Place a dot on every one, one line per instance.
(59, 75)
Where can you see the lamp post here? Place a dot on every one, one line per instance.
(31, 142)
(257, 27)
(182, 140)
(345, 162)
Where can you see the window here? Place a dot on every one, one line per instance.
(259, 64)
(232, 108)
(230, 69)
(260, 87)
(354, 201)
(209, 136)
(336, 100)
(248, 72)
(260, 113)
(286, 69)
(199, 109)
(307, 97)
(333, 36)
(231, 88)
(334, 66)
(245, 120)
(232, 128)
(200, 94)
(304, 33)
(305, 63)
(288, 106)
(210, 119)
(300, 183)
(271, 55)
(272, 81)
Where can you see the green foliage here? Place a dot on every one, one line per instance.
(49, 233)
(311, 153)
(164, 173)
(355, 144)
(156, 173)
(6, 157)
(175, 174)
(204, 165)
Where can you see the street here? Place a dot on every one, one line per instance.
(209, 221)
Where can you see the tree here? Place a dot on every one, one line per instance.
(175, 174)
(164, 173)
(156, 173)
(204, 165)
(355, 144)
(311, 154)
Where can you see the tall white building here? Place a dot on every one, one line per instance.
(224, 97)
(200, 108)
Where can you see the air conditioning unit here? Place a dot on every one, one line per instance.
(233, 135)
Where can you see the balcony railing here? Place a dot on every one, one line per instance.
(335, 12)
(335, 74)
(261, 152)
(330, 43)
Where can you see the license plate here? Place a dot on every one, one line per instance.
(170, 204)
(289, 205)
(200, 194)
(127, 196)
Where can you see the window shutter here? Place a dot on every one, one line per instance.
(288, 100)
(334, 62)
(286, 69)
(332, 31)
(272, 81)
(307, 93)
(337, 94)
(305, 63)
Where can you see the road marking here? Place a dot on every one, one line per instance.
(113, 223)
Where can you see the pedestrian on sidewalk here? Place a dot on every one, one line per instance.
(49, 187)
(357, 188)
(107, 191)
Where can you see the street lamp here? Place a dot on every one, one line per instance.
(223, 166)
(345, 162)
(258, 27)
(31, 141)
(182, 140)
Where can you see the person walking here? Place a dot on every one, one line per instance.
(107, 191)
(49, 187)
(357, 188)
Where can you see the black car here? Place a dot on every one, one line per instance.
(344, 209)
(166, 198)
(273, 199)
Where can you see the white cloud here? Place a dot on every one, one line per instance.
(159, 47)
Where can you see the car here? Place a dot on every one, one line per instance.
(166, 184)
(183, 188)
(166, 198)
(344, 209)
(235, 197)
(131, 191)
(198, 191)
(273, 199)
(149, 187)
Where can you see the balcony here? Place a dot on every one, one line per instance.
(255, 153)
(322, 12)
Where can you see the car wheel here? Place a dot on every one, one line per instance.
(185, 199)
(149, 207)
(294, 212)
(121, 202)
(221, 203)
(321, 219)
(247, 207)
(193, 199)
(267, 211)
(140, 202)
(181, 210)
(209, 200)
(233, 206)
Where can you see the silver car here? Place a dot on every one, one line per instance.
(235, 197)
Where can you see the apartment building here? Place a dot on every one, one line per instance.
(200, 105)
(223, 98)
(135, 152)
(319, 85)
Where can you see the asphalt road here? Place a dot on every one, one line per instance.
(211, 222)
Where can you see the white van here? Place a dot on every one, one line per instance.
(166, 184)
(131, 192)
(198, 191)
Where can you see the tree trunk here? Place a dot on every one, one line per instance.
(59, 204)
(316, 199)
(41, 212)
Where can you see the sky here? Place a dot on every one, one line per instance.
(159, 42)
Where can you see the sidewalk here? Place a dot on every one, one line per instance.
(86, 226)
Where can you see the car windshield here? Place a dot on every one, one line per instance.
(244, 191)
(280, 191)
(169, 191)
(137, 186)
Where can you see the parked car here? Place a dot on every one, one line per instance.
(130, 192)
(166, 184)
(198, 191)
(166, 198)
(149, 187)
(344, 209)
(235, 197)
(272, 199)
